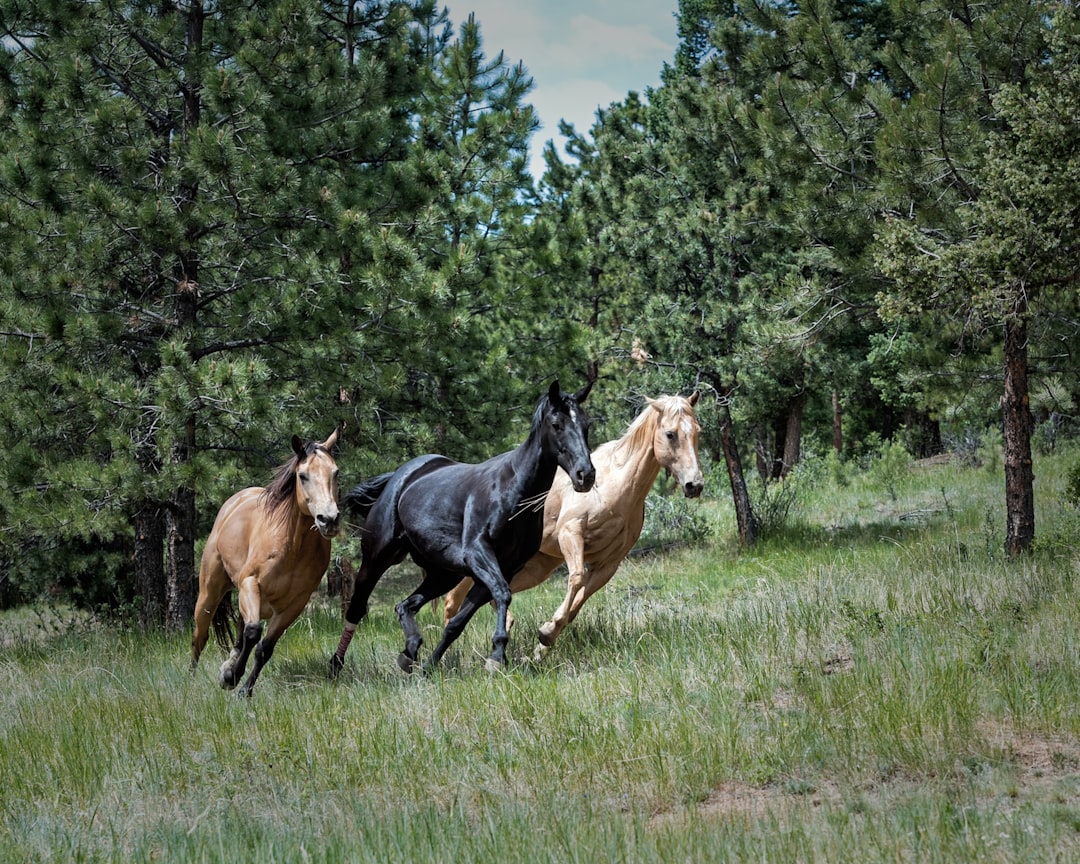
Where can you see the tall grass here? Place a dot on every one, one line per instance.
(876, 683)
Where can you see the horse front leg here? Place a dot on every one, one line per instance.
(433, 586)
(233, 667)
(264, 649)
(477, 596)
(572, 545)
(486, 572)
(249, 603)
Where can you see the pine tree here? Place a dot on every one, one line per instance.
(194, 195)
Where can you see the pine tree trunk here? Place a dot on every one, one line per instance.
(180, 576)
(744, 514)
(837, 423)
(1019, 475)
(793, 435)
(149, 525)
(181, 522)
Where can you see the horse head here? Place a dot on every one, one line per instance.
(675, 441)
(317, 483)
(566, 433)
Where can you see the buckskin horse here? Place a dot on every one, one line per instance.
(273, 546)
(593, 533)
(455, 520)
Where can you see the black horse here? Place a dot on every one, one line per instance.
(457, 520)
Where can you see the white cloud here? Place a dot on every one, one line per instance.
(581, 54)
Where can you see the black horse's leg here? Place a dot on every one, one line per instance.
(478, 595)
(485, 569)
(371, 571)
(233, 668)
(434, 585)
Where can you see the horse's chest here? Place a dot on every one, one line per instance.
(290, 571)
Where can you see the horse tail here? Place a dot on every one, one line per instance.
(362, 497)
(225, 619)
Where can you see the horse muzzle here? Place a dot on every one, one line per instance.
(328, 524)
(693, 488)
(583, 479)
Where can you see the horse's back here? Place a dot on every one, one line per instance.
(234, 517)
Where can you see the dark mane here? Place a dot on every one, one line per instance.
(279, 496)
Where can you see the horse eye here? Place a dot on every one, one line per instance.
(303, 477)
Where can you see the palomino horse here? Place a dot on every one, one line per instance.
(455, 520)
(273, 546)
(594, 532)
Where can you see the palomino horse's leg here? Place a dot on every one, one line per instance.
(580, 587)
(572, 545)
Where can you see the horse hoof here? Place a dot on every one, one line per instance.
(405, 662)
(336, 665)
(546, 635)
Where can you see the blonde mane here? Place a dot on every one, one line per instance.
(639, 433)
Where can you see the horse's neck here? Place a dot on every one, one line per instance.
(296, 527)
(534, 470)
(632, 464)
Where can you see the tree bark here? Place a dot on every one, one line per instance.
(793, 435)
(149, 527)
(1017, 423)
(837, 423)
(744, 514)
(180, 576)
(180, 524)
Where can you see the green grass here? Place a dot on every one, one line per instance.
(878, 683)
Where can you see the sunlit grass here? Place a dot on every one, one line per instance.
(876, 683)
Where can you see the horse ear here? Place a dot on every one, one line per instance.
(329, 443)
(581, 394)
(554, 393)
(298, 446)
(694, 397)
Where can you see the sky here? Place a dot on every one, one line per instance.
(582, 54)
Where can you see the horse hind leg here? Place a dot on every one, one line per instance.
(366, 579)
(213, 589)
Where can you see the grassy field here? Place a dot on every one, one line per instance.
(878, 684)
